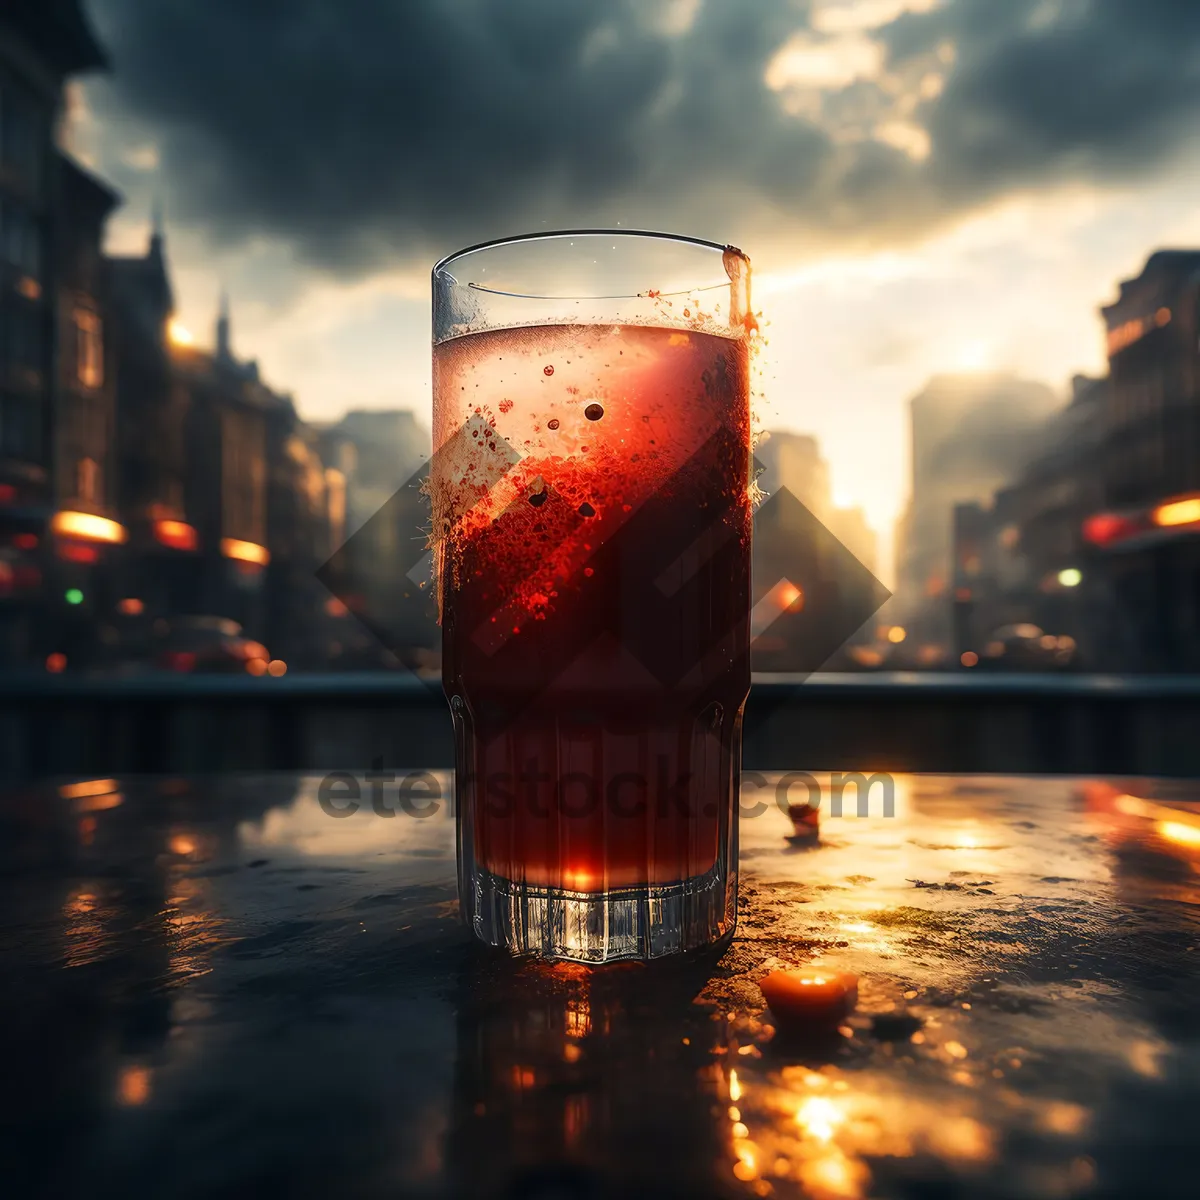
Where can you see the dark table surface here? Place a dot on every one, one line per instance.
(212, 988)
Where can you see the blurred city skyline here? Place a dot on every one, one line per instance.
(169, 494)
(906, 214)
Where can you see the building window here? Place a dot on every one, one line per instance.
(89, 348)
(87, 479)
(20, 239)
(18, 427)
(21, 330)
(20, 138)
(243, 476)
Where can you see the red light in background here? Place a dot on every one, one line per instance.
(179, 660)
(1106, 528)
(131, 606)
(56, 663)
(77, 552)
(25, 541)
(176, 535)
(8, 493)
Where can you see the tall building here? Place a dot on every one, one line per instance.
(82, 577)
(140, 476)
(376, 451)
(162, 556)
(1152, 443)
(56, 484)
(42, 43)
(805, 583)
(300, 534)
(970, 435)
(230, 414)
(1021, 558)
(849, 526)
(377, 457)
(793, 461)
(1145, 538)
(223, 488)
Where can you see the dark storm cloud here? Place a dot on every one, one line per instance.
(366, 131)
(1043, 88)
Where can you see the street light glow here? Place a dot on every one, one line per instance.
(247, 552)
(88, 527)
(178, 334)
(1178, 512)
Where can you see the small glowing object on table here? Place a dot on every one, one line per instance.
(809, 996)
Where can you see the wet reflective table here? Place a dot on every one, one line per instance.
(213, 988)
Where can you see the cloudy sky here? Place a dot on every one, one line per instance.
(922, 185)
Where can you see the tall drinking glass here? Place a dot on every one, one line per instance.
(591, 528)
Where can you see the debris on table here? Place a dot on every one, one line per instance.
(809, 997)
(806, 823)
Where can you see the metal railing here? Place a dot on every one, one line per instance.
(1077, 724)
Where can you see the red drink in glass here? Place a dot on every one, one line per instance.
(592, 520)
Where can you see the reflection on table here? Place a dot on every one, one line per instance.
(217, 988)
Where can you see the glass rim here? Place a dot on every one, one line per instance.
(439, 268)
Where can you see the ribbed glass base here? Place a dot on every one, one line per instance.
(647, 922)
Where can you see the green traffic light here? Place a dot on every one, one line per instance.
(74, 596)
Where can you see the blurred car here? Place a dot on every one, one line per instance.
(1027, 647)
(205, 644)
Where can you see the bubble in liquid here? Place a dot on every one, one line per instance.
(586, 510)
(594, 411)
(537, 498)
(589, 572)
(552, 423)
(547, 370)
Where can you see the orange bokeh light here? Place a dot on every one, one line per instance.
(247, 552)
(87, 787)
(88, 527)
(176, 535)
(133, 1086)
(1184, 511)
